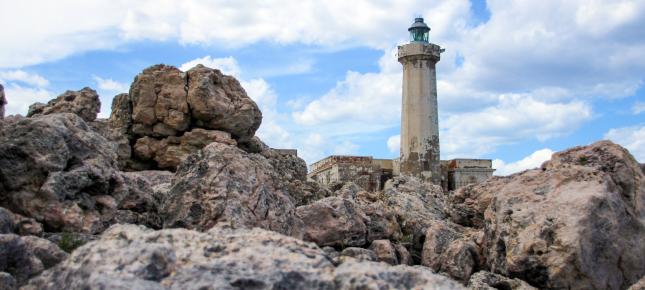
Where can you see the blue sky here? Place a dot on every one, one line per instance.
(518, 80)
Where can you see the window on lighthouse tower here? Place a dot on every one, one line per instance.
(419, 31)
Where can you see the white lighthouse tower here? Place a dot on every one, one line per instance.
(419, 116)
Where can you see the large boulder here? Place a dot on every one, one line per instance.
(223, 183)
(219, 102)
(334, 221)
(56, 170)
(578, 222)
(451, 249)
(25, 257)
(132, 257)
(85, 103)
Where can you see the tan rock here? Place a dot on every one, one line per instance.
(384, 251)
(84, 103)
(578, 222)
(334, 221)
(448, 249)
(488, 281)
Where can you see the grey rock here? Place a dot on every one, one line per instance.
(219, 102)
(25, 257)
(61, 173)
(334, 221)
(7, 282)
(384, 251)
(403, 255)
(360, 254)
(483, 280)
(222, 183)
(85, 103)
(449, 249)
(372, 275)
(578, 222)
(132, 257)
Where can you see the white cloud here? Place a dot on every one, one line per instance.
(30, 79)
(632, 138)
(110, 85)
(19, 98)
(394, 143)
(532, 161)
(513, 119)
(638, 108)
(227, 65)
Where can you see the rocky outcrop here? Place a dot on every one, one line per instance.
(168, 153)
(84, 103)
(488, 281)
(24, 257)
(56, 170)
(170, 114)
(578, 222)
(384, 251)
(3, 102)
(132, 257)
(223, 183)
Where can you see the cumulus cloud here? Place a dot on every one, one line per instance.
(394, 143)
(110, 85)
(632, 138)
(19, 98)
(532, 161)
(513, 119)
(227, 65)
(21, 76)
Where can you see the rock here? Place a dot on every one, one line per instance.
(403, 255)
(483, 280)
(159, 105)
(84, 103)
(67, 241)
(381, 221)
(7, 282)
(253, 145)
(25, 257)
(640, 285)
(67, 180)
(372, 275)
(219, 102)
(3, 102)
(132, 257)
(416, 205)
(167, 102)
(14, 223)
(447, 249)
(578, 222)
(306, 192)
(348, 190)
(334, 221)
(359, 254)
(171, 151)
(119, 130)
(222, 183)
(384, 251)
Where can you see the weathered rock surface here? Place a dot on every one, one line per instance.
(219, 102)
(640, 285)
(222, 183)
(24, 257)
(384, 251)
(56, 170)
(488, 281)
(11, 223)
(578, 222)
(85, 103)
(449, 249)
(334, 221)
(360, 254)
(131, 257)
(3, 102)
(170, 152)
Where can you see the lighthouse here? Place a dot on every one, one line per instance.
(419, 115)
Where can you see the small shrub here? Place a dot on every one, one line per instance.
(68, 242)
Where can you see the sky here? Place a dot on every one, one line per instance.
(518, 80)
